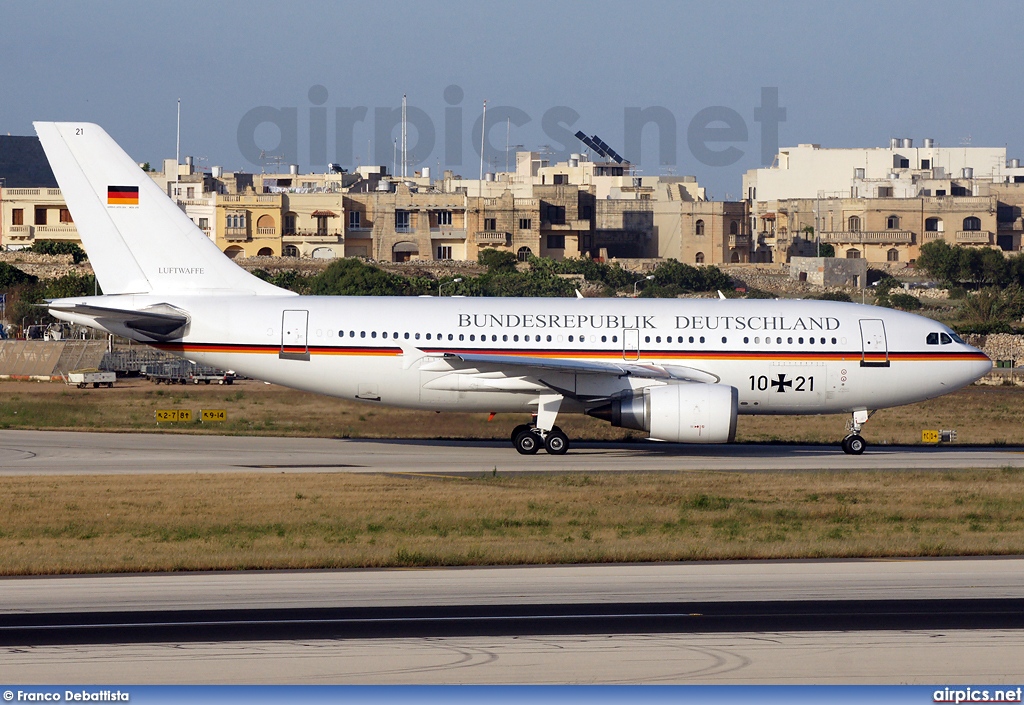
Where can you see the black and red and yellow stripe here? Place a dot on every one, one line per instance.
(122, 195)
(588, 354)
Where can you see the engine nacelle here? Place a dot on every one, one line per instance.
(678, 413)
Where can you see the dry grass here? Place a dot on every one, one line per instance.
(225, 522)
(980, 415)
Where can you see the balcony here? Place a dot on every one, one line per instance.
(266, 232)
(18, 232)
(974, 237)
(249, 198)
(64, 231)
(493, 237)
(870, 237)
(741, 241)
(236, 234)
(314, 236)
(446, 233)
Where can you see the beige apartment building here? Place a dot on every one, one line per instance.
(884, 203)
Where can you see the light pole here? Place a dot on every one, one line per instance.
(454, 281)
(649, 277)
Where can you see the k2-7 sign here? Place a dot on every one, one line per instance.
(171, 415)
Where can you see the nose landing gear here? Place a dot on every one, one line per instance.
(854, 443)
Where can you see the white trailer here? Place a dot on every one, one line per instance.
(83, 378)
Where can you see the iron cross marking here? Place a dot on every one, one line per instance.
(781, 383)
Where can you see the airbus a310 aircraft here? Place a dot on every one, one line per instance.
(680, 369)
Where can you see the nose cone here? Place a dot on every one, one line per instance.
(977, 366)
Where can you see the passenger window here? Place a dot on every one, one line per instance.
(702, 339)
(384, 334)
(604, 338)
(615, 338)
(341, 334)
(647, 338)
(833, 341)
(351, 334)
(417, 336)
(724, 339)
(746, 340)
(428, 336)
(945, 339)
(570, 338)
(800, 340)
(472, 337)
(362, 334)
(373, 334)
(549, 338)
(462, 336)
(933, 339)
(657, 339)
(691, 338)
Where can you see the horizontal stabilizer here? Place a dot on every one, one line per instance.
(155, 324)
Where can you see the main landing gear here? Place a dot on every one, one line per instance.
(854, 443)
(529, 439)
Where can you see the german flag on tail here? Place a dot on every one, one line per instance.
(122, 195)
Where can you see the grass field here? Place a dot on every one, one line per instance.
(980, 414)
(219, 522)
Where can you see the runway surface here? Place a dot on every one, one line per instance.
(913, 621)
(71, 453)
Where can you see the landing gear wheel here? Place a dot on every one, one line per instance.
(517, 430)
(556, 443)
(527, 442)
(854, 445)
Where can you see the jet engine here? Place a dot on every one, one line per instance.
(678, 413)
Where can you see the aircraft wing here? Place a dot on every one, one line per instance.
(155, 324)
(531, 365)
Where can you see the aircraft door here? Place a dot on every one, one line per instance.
(294, 344)
(631, 344)
(874, 350)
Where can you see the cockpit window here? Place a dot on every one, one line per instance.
(945, 339)
(933, 339)
(957, 338)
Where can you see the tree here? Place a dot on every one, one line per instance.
(826, 249)
(941, 261)
(497, 260)
(11, 276)
(353, 277)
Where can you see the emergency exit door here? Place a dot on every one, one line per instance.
(294, 345)
(631, 344)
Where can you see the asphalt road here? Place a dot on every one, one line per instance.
(71, 453)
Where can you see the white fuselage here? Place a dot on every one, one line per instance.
(784, 356)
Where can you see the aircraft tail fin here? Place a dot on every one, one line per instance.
(138, 240)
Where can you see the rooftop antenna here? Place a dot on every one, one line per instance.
(177, 145)
(483, 140)
(405, 159)
(508, 132)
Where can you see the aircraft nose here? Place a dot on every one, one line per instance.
(979, 366)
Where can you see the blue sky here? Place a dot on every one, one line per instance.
(847, 75)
